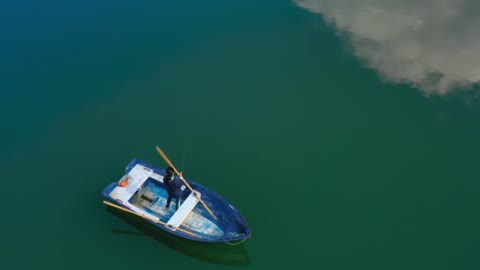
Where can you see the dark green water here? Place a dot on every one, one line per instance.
(260, 101)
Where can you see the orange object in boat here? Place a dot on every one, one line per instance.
(123, 183)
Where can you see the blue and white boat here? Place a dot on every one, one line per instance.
(145, 195)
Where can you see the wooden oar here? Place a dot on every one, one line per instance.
(184, 181)
(149, 218)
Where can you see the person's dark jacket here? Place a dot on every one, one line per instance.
(173, 185)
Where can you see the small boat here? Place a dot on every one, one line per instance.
(203, 215)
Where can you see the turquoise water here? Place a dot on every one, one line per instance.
(331, 166)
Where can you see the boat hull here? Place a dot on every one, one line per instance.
(146, 195)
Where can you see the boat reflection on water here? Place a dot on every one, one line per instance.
(217, 253)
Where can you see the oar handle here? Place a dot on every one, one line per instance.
(184, 181)
(149, 218)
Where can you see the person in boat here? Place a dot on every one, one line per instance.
(174, 188)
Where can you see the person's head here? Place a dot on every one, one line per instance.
(169, 171)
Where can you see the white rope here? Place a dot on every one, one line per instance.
(234, 244)
(185, 150)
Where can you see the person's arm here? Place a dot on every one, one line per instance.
(166, 182)
(178, 182)
(182, 186)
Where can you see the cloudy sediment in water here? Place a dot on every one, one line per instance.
(431, 44)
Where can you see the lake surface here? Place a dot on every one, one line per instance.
(335, 162)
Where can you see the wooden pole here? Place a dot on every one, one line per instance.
(149, 218)
(184, 181)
